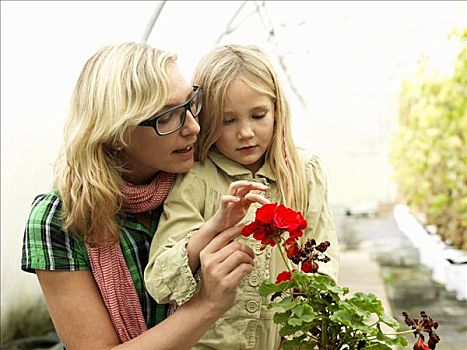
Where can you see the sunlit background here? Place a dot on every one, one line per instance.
(342, 63)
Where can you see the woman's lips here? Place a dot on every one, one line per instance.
(186, 153)
(184, 150)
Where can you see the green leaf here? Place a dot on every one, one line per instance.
(299, 342)
(308, 314)
(367, 302)
(295, 322)
(289, 345)
(298, 310)
(281, 317)
(267, 288)
(308, 346)
(343, 316)
(390, 321)
(287, 303)
(288, 330)
(391, 340)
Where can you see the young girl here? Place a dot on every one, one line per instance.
(245, 135)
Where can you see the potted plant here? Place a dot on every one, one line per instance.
(314, 312)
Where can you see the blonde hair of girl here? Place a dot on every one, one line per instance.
(119, 86)
(214, 74)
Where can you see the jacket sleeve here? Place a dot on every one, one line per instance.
(168, 277)
(319, 216)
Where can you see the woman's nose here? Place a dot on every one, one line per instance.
(191, 126)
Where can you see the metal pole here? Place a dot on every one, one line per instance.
(269, 29)
(228, 28)
(153, 20)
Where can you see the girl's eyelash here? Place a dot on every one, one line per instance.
(232, 120)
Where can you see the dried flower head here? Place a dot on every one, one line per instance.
(308, 255)
(425, 324)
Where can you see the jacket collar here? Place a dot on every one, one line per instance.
(234, 169)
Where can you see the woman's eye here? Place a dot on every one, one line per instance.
(168, 118)
(164, 120)
(259, 116)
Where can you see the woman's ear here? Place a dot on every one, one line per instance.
(113, 147)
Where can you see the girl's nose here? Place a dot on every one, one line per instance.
(246, 131)
(191, 126)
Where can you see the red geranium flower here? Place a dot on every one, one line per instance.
(265, 214)
(266, 235)
(420, 345)
(289, 219)
(271, 221)
(292, 250)
(309, 266)
(283, 276)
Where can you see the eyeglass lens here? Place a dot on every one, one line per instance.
(174, 120)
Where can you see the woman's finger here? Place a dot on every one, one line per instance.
(232, 260)
(222, 239)
(234, 277)
(235, 246)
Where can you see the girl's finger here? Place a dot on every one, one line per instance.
(255, 197)
(226, 199)
(236, 185)
(244, 187)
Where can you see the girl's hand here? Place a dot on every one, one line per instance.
(232, 209)
(235, 204)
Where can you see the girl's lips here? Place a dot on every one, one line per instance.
(246, 149)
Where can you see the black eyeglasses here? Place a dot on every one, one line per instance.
(172, 119)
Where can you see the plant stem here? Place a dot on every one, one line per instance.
(324, 333)
(283, 258)
(401, 332)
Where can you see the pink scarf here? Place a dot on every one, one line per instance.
(109, 267)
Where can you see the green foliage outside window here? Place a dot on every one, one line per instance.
(429, 152)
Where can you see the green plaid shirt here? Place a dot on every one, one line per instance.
(46, 246)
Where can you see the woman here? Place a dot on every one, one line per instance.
(131, 126)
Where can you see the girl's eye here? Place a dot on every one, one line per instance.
(228, 121)
(259, 116)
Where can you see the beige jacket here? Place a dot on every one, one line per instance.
(193, 200)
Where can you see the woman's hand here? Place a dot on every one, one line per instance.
(224, 262)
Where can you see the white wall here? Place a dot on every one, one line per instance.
(346, 59)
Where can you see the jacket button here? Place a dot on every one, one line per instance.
(257, 248)
(252, 306)
(253, 280)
